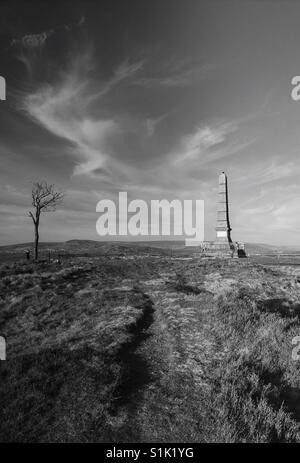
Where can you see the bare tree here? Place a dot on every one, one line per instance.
(44, 199)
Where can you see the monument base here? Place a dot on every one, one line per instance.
(226, 249)
(218, 248)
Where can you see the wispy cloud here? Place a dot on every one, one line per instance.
(210, 142)
(268, 172)
(123, 72)
(177, 74)
(60, 110)
(29, 47)
(63, 109)
(152, 123)
(203, 138)
(32, 41)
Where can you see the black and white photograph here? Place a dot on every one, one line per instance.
(150, 224)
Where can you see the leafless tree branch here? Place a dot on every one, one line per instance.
(44, 199)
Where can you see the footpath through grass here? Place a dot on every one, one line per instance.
(148, 348)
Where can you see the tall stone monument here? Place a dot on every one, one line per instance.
(223, 243)
(223, 228)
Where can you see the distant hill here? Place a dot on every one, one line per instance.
(91, 246)
(262, 248)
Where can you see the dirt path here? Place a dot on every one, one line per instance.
(180, 353)
(177, 352)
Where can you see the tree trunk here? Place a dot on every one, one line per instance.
(36, 241)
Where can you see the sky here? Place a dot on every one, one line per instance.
(155, 99)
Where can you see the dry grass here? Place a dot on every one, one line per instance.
(65, 329)
(137, 348)
(256, 381)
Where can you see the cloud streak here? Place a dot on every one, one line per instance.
(202, 139)
(123, 72)
(30, 46)
(178, 74)
(63, 109)
(31, 41)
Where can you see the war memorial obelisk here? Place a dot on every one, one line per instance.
(223, 228)
(223, 243)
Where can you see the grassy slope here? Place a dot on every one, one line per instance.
(141, 348)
